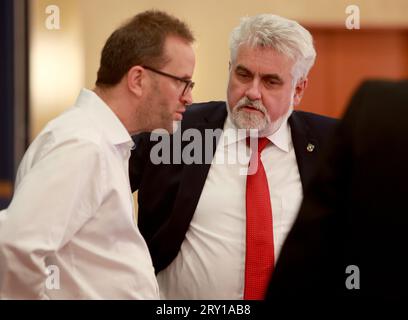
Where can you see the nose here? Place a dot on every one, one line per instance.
(187, 98)
(254, 91)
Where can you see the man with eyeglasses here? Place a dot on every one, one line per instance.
(69, 232)
(214, 233)
(189, 85)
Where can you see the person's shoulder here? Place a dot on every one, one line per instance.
(314, 119)
(73, 124)
(376, 93)
(310, 116)
(205, 106)
(378, 85)
(312, 125)
(204, 109)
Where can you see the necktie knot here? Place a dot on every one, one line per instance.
(262, 143)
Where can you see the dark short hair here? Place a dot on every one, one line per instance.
(140, 41)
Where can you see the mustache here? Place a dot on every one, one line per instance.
(256, 104)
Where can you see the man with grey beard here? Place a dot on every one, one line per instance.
(213, 232)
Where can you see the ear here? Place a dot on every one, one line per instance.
(229, 66)
(135, 80)
(299, 90)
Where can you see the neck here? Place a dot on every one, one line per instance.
(116, 99)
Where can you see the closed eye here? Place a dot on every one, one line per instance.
(272, 81)
(244, 76)
(243, 73)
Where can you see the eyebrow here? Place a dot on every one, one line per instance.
(273, 76)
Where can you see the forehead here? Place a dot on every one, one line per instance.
(179, 50)
(263, 60)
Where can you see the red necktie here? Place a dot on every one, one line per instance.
(259, 261)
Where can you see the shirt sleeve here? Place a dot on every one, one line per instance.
(54, 199)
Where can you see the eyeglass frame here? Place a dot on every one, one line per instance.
(189, 84)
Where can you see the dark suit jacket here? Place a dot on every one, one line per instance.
(355, 211)
(169, 193)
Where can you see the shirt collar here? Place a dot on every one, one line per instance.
(280, 138)
(104, 117)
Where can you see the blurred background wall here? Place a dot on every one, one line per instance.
(63, 60)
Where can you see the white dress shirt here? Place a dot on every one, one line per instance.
(69, 232)
(211, 261)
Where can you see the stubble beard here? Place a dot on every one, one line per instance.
(158, 115)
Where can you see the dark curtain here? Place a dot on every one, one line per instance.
(13, 90)
(6, 90)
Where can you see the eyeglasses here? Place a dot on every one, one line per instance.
(189, 84)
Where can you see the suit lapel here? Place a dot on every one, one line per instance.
(306, 147)
(192, 181)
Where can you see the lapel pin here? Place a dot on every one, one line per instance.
(310, 147)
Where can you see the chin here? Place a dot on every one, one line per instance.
(243, 120)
